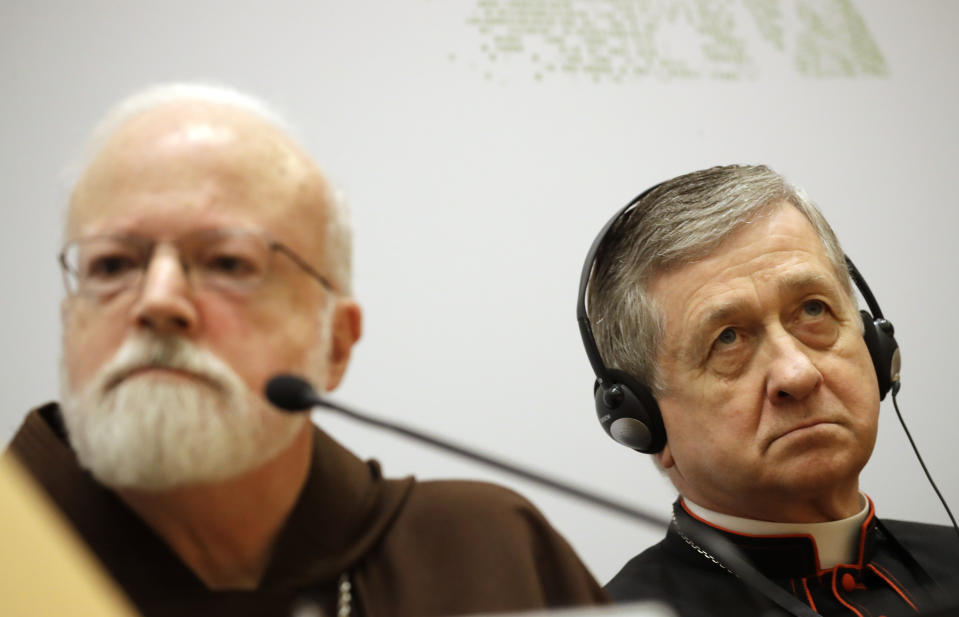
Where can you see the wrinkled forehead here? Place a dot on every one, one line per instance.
(774, 256)
(189, 163)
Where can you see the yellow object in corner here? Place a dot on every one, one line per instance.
(45, 569)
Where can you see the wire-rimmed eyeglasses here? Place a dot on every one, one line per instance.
(229, 260)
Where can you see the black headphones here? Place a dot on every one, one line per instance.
(627, 409)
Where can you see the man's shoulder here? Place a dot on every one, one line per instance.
(479, 521)
(487, 542)
(649, 574)
(935, 547)
(470, 506)
(915, 529)
(40, 424)
(690, 584)
(40, 444)
(924, 538)
(472, 493)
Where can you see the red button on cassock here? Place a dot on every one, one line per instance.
(848, 582)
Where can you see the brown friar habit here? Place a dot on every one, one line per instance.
(410, 548)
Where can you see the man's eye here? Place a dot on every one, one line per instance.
(110, 266)
(727, 336)
(730, 352)
(231, 265)
(814, 308)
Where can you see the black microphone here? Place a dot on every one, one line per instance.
(295, 395)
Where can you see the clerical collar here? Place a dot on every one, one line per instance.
(836, 541)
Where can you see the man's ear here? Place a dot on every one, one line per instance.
(346, 328)
(664, 458)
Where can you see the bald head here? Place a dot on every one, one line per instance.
(185, 136)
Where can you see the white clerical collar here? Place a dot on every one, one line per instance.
(836, 541)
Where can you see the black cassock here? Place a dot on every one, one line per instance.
(902, 568)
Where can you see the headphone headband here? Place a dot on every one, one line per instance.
(585, 328)
(863, 289)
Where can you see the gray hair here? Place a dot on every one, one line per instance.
(338, 242)
(678, 221)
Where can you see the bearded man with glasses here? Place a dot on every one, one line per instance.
(205, 254)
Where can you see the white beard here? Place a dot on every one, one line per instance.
(155, 432)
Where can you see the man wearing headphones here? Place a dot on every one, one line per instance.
(726, 339)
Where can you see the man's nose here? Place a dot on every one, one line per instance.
(165, 304)
(792, 375)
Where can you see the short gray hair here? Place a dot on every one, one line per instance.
(680, 220)
(338, 242)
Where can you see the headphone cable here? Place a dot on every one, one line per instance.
(922, 463)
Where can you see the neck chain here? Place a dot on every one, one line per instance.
(752, 578)
(344, 597)
(697, 548)
(316, 606)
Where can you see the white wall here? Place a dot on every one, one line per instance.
(479, 177)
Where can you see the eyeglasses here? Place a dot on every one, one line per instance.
(235, 261)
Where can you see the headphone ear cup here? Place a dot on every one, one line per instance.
(629, 413)
(884, 351)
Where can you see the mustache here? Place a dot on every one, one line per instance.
(172, 353)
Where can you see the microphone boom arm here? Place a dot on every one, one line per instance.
(563, 487)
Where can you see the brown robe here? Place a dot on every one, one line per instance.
(410, 548)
